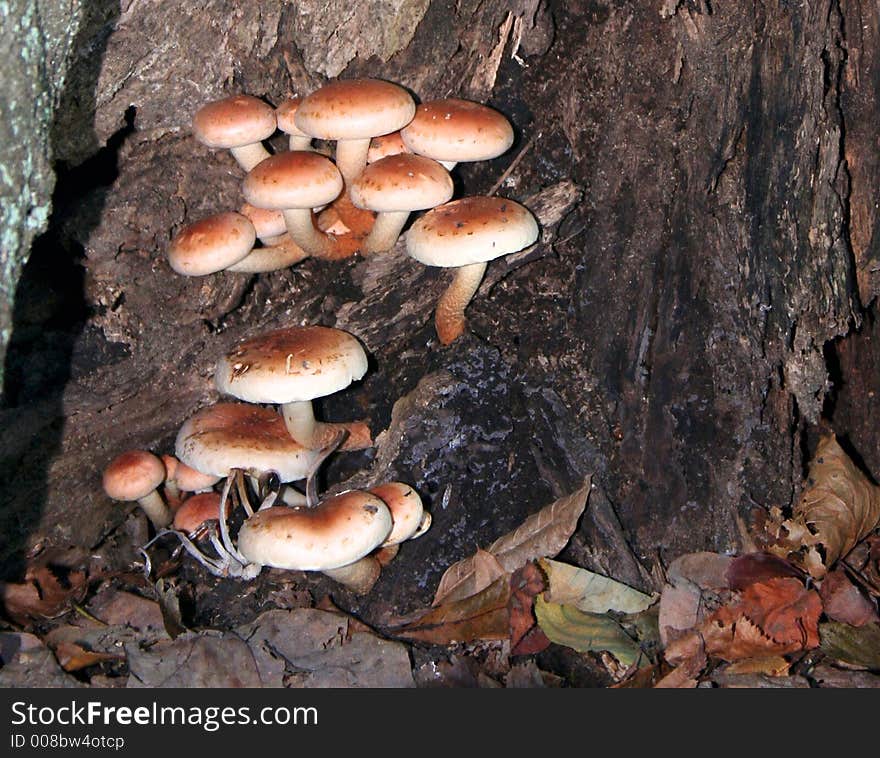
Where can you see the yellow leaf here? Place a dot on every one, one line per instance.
(589, 592)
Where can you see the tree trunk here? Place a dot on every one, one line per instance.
(705, 174)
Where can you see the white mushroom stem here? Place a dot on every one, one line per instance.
(249, 156)
(449, 317)
(385, 231)
(359, 577)
(301, 227)
(279, 253)
(292, 497)
(299, 418)
(300, 142)
(351, 158)
(448, 165)
(154, 506)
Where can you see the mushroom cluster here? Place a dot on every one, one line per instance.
(391, 159)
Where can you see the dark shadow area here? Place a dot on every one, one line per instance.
(50, 311)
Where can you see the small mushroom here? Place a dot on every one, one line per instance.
(466, 234)
(197, 510)
(238, 123)
(385, 145)
(394, 187)
(408, 514)
(351, 112)
(296, 182)
(211, 244)
(454, 130)
(134, 476)
(291, 367)
(284, 114)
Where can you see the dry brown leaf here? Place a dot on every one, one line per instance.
(769, 665)
(72, 657)
(483, 616)
(685, 675)
(758, 567)
(526, 637)
(541, 535)
(47, 592)
(775, 617)
(839, 508)
(844, 602)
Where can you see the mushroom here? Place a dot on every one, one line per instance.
(291, 367)
(337, 532)
(408, 514)
(134, 476)
(228, 436)
(198, 509)
(454, 130)
(466, 234)
(295, 182)
(238, 123)
(284, 115)
(394, 187)
(385, 145)
(351, 112)
(269, 223)
(211, 244)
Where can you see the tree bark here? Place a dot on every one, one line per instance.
(704, 173)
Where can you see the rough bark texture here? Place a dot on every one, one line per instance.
(705, 174)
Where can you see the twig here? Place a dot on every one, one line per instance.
(513, 164)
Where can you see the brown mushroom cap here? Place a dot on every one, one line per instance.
(211, 244)
(354, 109)
(285, 116)
(293, 179)
(268, 222)
(406, 509)
(338, 531)
(385, 145)
(402, 182)
(225, 436)
(198, 509)
(471, 230)
(133, 475)
(457, 130)
(290, 365)
(234, 121)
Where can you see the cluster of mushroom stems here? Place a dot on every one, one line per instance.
(392, 158)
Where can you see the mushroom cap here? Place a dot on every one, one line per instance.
(355, 109)
(225, 436)
(189, 479)
(211, 244)
(198, 509)
(386, 144)
(471, 230)
(133, 475)
(291, 365)
(403, 182)
(338, 531)
(293, 179)
(285, 114)
(234, 121)
(458, 130)
(406, 510)
(268, 222)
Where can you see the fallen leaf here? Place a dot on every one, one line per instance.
(828, 676)
(589, 592)
(844, 602)
(47, 592)
(586, 632)
(855, 646)
(482, 616)
(706, 570)
(526, 637)
(775, 617)
(838, 509)
(768, 665)
(28, 663)
(686, 675)
(541, 535)
(758, 567)
(72, 657)
(759, 682)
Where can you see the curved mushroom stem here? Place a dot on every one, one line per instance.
(154, 506)
(249, 156)
(351, 158)
(385, 231)
(299, 417)
(312, 499)
(300, 142)
(301, 226)
(359, 576)
(279, 252)
(449, 317)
